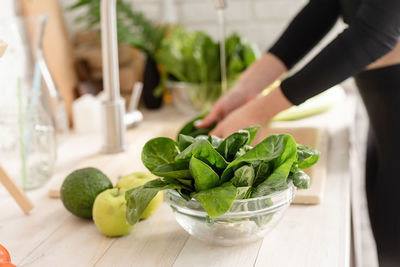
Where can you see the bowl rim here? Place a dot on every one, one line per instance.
(290, 186)
(230, 214)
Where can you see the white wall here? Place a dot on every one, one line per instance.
(260, 21)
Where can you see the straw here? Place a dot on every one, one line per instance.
(21, 137)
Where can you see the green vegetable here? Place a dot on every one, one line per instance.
(231, 145)
(216, 201)
(243, 192)
(139, 198)
(203, 150)
(184, 141)
(300, 179)
(173, 170)
(191, 130)
(159, 151)
(217, 171)
(307, 156)
(244, 176)
(204, 176)
(193, 57)
(276, 181)
(270, 148)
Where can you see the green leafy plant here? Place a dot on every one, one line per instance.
(216, 171)
(132, 26)
(193, 57)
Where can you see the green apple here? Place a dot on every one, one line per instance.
(109, 213)
(137, 179)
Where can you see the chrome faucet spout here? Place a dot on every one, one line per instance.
(113, 106)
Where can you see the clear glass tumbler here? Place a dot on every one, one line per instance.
(27, 133)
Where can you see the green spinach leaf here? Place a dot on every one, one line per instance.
(231, 145)
(252, 132)
(139, 198)
(159, 151)
(307, 156)
(215, 141)
(300, 179)
(270, 148)
(262, 171)
(203, 150)
(276, 181)
(216, 201)
(173, 170)
(184, 141)
(244, 176)
(204, 176)
(191, 130)
(243, 192)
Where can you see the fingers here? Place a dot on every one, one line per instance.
(213, 116)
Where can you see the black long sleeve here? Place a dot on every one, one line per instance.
(309, 26)
(373, 32)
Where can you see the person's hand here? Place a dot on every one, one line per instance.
(240, 118)
(256, 78)
(233, 99)
(255, 112)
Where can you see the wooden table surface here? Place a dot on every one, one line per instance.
(307, 236)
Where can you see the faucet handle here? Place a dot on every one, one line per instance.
(135, 96)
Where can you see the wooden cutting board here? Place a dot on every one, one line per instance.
(57, 47)
(116, 165)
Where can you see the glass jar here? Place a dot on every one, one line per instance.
(27, 132)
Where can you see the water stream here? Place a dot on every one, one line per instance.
(222, 54)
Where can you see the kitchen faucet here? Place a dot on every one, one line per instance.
(113, 107)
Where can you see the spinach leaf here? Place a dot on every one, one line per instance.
(203, 150)
(184, 141)
(300, 179)
(243, 192)
(191, 130)
(243, 150)
(307, 156)
(270, 148)
(204, 176)
(252, 132)
(173, 170)
(244, 176)
(276, 181)
(159, 151)
(216, 201)
(262, 171)
(231, 145)
(139, 198)
(215, 141)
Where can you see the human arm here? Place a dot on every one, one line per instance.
(303, 33)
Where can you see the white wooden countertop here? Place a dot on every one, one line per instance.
(307, 236)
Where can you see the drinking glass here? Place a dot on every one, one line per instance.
(27, 132)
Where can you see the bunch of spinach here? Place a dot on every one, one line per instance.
(217, 171)
(193, 57)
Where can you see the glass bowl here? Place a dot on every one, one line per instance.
(194, 97)
(247, 220)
